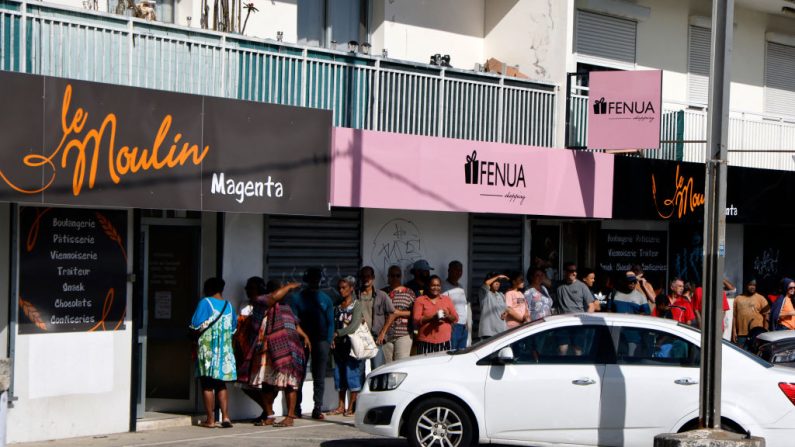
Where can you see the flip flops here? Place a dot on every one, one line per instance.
(286, 422)
(226, 424)
(205, 424)
(336, 412)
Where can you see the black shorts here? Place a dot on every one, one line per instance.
(208, 383)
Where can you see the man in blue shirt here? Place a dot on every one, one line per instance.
(315, 312)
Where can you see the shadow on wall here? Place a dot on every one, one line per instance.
(360, 162)
(586, 179)
(355, 152)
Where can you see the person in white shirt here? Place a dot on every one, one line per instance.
(453, 289)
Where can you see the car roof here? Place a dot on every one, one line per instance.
(776, 335)
(610, 317)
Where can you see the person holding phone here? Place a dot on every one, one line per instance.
(434, 315)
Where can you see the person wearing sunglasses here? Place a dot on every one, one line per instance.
(573, 295)
(782, 315)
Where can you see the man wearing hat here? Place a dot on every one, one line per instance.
(750, 310)
(422, 272)
(627, 298)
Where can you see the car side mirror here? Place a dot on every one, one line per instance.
(505, 355)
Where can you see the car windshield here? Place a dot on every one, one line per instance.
(494, 339)
(755, 358)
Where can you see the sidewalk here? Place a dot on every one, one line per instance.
(335, 431)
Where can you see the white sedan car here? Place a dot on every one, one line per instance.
(586, 379)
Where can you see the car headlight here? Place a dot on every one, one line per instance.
(386, 382)
(784, 356)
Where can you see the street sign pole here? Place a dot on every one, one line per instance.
(715, 213)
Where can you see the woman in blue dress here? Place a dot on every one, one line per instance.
(215, 363)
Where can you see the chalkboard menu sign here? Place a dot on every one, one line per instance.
(72, 270)
(619, 250)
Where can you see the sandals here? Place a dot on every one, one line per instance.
(226, 424)
(205, 424)
(348, 413)
(336, 412)
(286, 422)
(264, 419)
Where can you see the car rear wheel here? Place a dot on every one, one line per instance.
(439, 422)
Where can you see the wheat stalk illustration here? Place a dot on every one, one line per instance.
(32, 313)
(110, 231)
(33, 233)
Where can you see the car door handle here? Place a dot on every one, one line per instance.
(583, 381)
(686, 381)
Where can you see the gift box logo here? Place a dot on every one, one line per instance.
(600, 106)
(471, 172)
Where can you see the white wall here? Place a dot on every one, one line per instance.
(528, 33)
(273, 16)
(73, 384)
(662, 42)
(402, 237)
(243, 258)
(416, 29)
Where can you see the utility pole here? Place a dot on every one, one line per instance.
(715, 212)
(709, 433)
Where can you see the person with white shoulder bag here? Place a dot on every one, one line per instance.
(347, 369)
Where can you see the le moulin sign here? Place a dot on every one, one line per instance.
(674, 191)
(89, 144)
(414, 172)
(626, 109)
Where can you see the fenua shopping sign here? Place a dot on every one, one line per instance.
(89, 144)
(625, 109)
(414, 172)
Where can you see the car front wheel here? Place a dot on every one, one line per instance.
(440, 422)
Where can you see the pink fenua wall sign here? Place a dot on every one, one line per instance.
(412, 172)
(625, 109)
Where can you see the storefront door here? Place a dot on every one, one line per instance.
(171, 291)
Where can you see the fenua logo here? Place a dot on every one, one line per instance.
(492, 173)
(637, 108)
(500, 174)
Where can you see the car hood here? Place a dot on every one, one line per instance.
(415, 360)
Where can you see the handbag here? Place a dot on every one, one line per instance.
(362, 344)
(194, 334)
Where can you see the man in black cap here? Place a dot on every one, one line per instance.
(422, 272)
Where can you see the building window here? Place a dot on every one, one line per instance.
(333, 23)
(698, 65)
(779, 81)
(605, 37)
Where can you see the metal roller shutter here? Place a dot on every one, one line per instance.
(496, 244)
(294, 243)
(780, 79)
(605, 36)
(698, 65)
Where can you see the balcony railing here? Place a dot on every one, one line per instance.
(769, 141)
(362, 91)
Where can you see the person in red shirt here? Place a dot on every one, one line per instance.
(698, 305)
(434, 315)
(681, 308)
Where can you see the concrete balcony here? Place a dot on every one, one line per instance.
(363, 91)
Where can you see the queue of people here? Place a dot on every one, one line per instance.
(285, 331)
